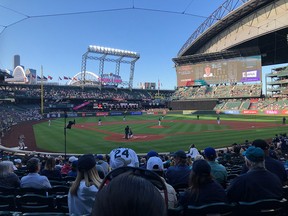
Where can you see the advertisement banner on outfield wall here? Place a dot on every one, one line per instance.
(102, 114)
(72, 114)
(116, 113)
(231, 112)
(250, 112)
(271, 112)
(53, 115)
(90, 114)
(136, 113)
(188, 112)
(285, 112)
(151, 113)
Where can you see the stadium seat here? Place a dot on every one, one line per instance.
(265, 207)
(35, 203)
(175, 211)
(62, 203)
(23, 191)
(219, 209)
(7, 203)
(8, 191)
(59, 190)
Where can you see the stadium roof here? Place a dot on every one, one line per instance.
(210, 28)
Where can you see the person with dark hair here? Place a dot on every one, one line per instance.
(256, 184)
(284, 120)
(33, 179)
(129, 194)
(218, 171)
(271, 164)
(202, 188)
(82, 193)
(50, 170)
(179, 173)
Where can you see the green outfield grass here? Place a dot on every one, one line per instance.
(178, 135)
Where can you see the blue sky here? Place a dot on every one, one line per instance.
(58, 42)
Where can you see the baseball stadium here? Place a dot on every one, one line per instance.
(222, 101)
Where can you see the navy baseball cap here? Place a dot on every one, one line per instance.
(152, 154)
(210, 152)
(180, 154)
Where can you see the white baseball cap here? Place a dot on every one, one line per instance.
(155, 163)
(72, 159)
(17, 160)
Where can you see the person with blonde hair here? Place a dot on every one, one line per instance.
(83, 191)
(8, 179)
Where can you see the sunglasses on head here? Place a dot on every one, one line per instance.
(149, 175)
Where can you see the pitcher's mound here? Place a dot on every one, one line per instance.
(135, 138)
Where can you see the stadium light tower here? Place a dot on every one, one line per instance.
(106, 54)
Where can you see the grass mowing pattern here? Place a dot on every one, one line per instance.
(178, 135)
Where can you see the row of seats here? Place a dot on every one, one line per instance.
(54, 191)
(265, 207)
(34, 203)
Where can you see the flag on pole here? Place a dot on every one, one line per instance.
(45, 78)
(65, 78)
(60, 78)
(49, 77)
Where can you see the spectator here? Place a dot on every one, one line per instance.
(129, 194)
(73, 171)
(151, 153)
(179, 173)
(218, 171)
(202, 188)
(67, 166)
(50, 170)
(156, 164)
(271, 164)
(82, 193)
(193, 152)
(8, 179)
(120, 157)
(33, 179)
(256, 184)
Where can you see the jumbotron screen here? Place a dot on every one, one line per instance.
(241, 69)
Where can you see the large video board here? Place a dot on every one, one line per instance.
(241, 69)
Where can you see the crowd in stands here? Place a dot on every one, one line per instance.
(11, 115)
(154, 183)
(72, 92)
(218, 91)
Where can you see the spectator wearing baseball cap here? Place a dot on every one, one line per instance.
(151, 153)
(156, 164)
(271, 164)
(82, 193)
(67, 166)
(179, 173)
(203, 189)
(258, 183)
(218, 171)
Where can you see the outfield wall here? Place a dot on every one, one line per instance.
(237, 112)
